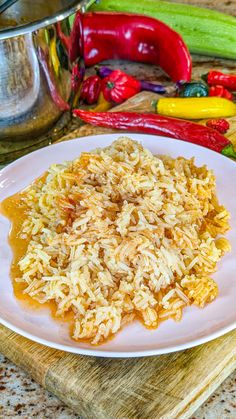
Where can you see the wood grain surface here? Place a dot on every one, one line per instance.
(167, 386)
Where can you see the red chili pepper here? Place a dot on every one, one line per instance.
(65, 40)
(217, 77)
(55, 95)
(220, 91)
(160, 125)
(221, 125)
(91, 89)
(77, 76)
(101, 36)
(119, 86)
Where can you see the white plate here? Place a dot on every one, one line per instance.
(196, 327)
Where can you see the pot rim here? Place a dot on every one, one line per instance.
(44, 22)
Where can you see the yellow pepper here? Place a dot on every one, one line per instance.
(53, 54)
(103, 105)
(196, 108)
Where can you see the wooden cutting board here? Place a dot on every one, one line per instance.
(167, 386)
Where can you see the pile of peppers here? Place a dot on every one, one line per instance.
(115, 86)
(194, 105)
(99, 36)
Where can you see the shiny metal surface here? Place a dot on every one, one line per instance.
(28, 108)
(7, 3)
(29, 15)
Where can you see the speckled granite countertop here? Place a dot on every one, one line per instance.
(21, 397)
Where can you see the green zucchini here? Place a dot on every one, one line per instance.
(205, 31)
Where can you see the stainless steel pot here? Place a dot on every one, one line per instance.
(28, 109)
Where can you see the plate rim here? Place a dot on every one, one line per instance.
(107, 353)
(121, 354)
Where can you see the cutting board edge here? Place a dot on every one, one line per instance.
(185, 407)
(206, 392)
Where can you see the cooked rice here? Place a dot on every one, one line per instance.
(119, 234)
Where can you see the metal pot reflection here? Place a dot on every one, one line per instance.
(28, 108)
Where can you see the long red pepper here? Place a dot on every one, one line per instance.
(101, 36)
(160, 125)
(52, 87)
(77, 75)
(214, 78)
(65, 40)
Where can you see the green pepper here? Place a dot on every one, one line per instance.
(192, 89)
(47, 36)
(71, 21)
